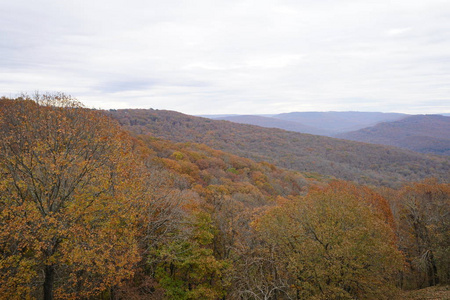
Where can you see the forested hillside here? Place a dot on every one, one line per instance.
(90, 211)
(421, 133)
(363, 163)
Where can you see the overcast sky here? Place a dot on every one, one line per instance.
(231, 56)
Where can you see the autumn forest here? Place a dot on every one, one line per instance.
(146, 204)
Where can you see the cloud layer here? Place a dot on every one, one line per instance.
(232, 56)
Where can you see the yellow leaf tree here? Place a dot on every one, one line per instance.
(333, 243)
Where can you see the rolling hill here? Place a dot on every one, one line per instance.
(421, 133)
(360, 162)
(270, 122)
(337, 122)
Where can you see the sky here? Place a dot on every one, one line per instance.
(231, 56)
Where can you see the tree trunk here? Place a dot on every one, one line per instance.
(49, 273)
(433, 278)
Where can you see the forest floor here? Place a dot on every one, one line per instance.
(431, 293)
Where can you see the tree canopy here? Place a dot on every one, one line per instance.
(88, 211)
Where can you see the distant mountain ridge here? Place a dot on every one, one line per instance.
(321, 123)
(421, 133)
(271, 122)
(349, 160)
(340, 121)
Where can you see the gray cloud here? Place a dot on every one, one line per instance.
(235, 56)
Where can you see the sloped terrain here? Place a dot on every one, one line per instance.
(421, 133)
(430, 293)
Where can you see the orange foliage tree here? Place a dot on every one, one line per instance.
(64, 216)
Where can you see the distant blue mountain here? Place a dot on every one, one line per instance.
(337, 122)
(420, 133)
(319, 123)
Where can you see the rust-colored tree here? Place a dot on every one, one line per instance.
(65, 223)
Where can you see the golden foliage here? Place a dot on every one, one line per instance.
(334, 243)
(64, 218)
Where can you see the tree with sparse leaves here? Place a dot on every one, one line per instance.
(422, 212)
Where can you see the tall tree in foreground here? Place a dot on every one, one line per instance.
(334, 243)
(64, 219)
